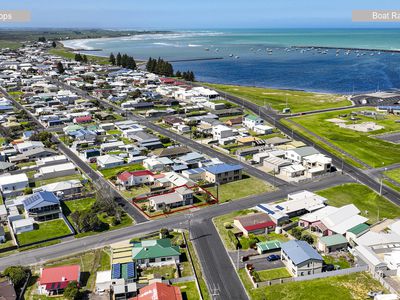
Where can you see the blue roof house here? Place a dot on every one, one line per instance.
(42, 206)
(223, 173)
(300, 258)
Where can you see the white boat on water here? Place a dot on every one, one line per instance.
(231, 55)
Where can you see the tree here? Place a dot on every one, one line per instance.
(84, 59)
(131, 64)
(178, 74)
(17, 275)
(119, 58)
(54, 44)
(164, 233)
(112, 59)
(60, 68)
(27, 191)
(42, 39)
(78, 57)
(296, 232)
(308, 238)
(71, 292)
(44, 137)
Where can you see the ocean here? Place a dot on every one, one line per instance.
(273, 57)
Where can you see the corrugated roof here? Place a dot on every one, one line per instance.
(38, 198)
(154, 249)
(300, 251)
(332, 240)
(358, 229)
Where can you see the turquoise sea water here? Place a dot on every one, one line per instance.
(262, 58)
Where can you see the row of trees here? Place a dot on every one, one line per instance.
(81, 58)
(188, 76)
(124, 61)
(159, 67)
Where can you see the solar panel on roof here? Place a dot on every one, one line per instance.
(131, 270)
(279, 207)
(116, 271)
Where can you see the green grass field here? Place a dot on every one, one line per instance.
(250, 186)
(9, 44)
(393, 174)
(272, 274)
(346, 287)
(188, 290)
(298, 101)
(57, 179)
(364, 198)
(373, 151)
(112, 172)
(46, 230)
(65, 53)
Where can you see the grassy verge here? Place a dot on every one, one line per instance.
(393, 174)
(363, 145)
(240, 189)
(353, 286)
(66, 53)
(45, 230)
(197, 267)
(366, 200)
(297, 101)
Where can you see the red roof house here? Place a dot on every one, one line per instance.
(84, 119)
(166, 80)
(54, 280)
(254, 223)
(135, 178)
(159, 291)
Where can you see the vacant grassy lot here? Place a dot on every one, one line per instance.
(346, 287)
(366, 200)
(112, 172)
(85, 204)
(250, 186)
(188, 290)
(298, 101)
(45, 230)
(363, 145)
(58, 179)
(272, 274)
(135, 191)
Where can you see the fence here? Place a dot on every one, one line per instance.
(385, 281)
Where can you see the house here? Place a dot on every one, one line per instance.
(159, 291)
(28, 145)
(220, 132)
(300, 258)
(55, 171)
(268, 246)
(13, 185)
(263, 129)
(147, 140)
(297, 204)
(6, 166)
(83, 119)
(42, 206)
(275, 163)
(250, 121)
(298, 154)
(223, 173)
(234, 121)
(155, 253)
(62, 188)
(172, 152)
(292, 171)
(22, 225)
(128, 179)
(109, 161)
(332, 243)
(33, 154)
(317, 164)
(105, 147)
(54, 280)
(7, 291)
(178, 196)
(3, 213)
(257, 223)
(52, 160)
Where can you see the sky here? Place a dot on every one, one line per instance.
(177, 14)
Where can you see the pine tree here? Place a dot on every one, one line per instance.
(78, 57)
(124, 61)
(85, 59)
(119, 57)
(60, 68)
(54, 44)
(112, 59)
(178, 74)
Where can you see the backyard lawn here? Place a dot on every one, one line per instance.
(135, 191)
(58, 179)
(9, 241)
(272, 274)
(346, 287)
(298, 101)
(250, 186)
(189, 290)
(362, 145)
(338, 261)
(366, 200)
(44, 231)
(112, 172)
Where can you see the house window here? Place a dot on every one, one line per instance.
(162, 258)
(152, 260)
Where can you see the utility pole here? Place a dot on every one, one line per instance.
(238, 258)
(189, 219)
(217, 185)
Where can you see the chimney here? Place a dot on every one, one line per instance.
(63, 278)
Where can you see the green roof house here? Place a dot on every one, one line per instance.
(155, 253)
(250, 121)
(332, 243)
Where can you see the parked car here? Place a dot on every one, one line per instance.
(273, 257)
(328, 268)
